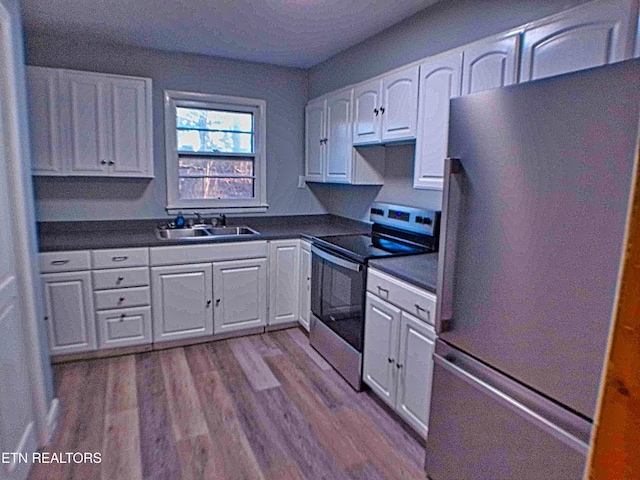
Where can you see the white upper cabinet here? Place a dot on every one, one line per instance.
(90, 124)
(338, 142)
(584, 37)
(330, 156)
(399, 109)
(84, 112)
(314, 148)
(440, 80)
(367, 99)
(386, 109)
(43, 85)
(489, 65)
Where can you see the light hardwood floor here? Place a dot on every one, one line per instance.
(260, 407)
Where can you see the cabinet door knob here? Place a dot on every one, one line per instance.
(120, 279)
(391, 360)
(103, 162)
(208, 303)
(217, 302)
(111, 162)
(46, 318)
(399, 365)
(381, 110)
(121, 299)
(122, 317)
(376, 111)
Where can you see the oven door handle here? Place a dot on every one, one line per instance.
(356, 267)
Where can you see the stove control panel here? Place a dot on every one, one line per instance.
(418, 220)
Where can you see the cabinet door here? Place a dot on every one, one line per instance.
(314, 136)
(400, 105)
(69, 312)
(182, 301)
(48, 151)
(584, 37)
(85, 116)
(240, 292)
(339, 144)
(490, 65)
(382, 321)
(130, 127)
(367, 100)
(305, 285)
(415, 371)
(440, 80)
(284, 271)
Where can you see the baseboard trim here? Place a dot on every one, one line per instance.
(281, 326)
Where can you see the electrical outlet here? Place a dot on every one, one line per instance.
(301, 182)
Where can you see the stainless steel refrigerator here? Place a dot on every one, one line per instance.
(534, 214)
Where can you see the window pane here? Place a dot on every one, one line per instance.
(216, 188)
(225, 142)
(214, 119)
(215, 166)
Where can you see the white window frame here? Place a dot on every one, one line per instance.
(173, 99)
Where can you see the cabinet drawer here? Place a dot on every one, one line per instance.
(124, 327)
(120, 278)
(122, 298)
(51, 262)
(122, 257)
(411, 299)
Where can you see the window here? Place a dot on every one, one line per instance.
(215, 152)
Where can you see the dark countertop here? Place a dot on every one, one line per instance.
(91, 235)
(419, 270)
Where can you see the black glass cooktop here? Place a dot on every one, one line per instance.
(363, 247)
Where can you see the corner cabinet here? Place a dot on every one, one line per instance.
(284, 284)
(329, 154)
(584, 37)
(305, 285)
(89, 124)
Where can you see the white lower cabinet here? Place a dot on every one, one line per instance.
(182, 301)
(124, 327)
(398, 360)
(305, 285)
(284, 270)
(415, 371)
(240, 292)
(69, 312)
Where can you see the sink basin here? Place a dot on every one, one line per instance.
(198, 232)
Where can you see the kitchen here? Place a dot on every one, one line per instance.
(286, 91)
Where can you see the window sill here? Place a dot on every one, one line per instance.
(174, 210)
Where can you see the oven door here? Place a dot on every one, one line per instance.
(337, 295)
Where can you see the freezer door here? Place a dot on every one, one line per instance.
(535, 222)
(485, 426)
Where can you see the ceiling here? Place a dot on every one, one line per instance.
(295, 33)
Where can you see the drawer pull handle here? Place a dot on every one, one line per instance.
(120, 279)
(120, 259)
(380, 289)
(420, 309)
(122, 317)
(121, 299)
(59, 262)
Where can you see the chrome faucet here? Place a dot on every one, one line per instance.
(199, 217)
(221, 221)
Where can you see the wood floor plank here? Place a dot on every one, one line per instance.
(121, 451)
(265, 345)
(303, 341)
(159, 456)
(257, 371)
(377, 448)
(197, 459)
(233, 456)
(318, 416)
(121, 384)
(184, 406)
(90, 432)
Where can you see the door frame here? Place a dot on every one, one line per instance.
(17, 153)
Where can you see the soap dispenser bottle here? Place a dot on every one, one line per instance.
(179, 221)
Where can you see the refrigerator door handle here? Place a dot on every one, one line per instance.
(448, 231)
(522, 410)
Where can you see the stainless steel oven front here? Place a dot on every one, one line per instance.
(337, 306)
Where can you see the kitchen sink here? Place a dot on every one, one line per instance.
(198, 232)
